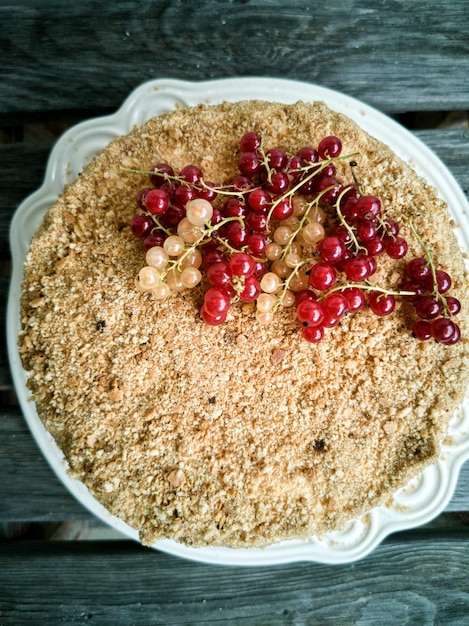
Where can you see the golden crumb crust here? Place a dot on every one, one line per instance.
(237, 435)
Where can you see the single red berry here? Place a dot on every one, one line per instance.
(368, 207)
(277, 158)
(182, 194)
(251, 289)
(216, 301)
(250, 142)
(304, 294)
(443, 281)
(422, 330)
(415, 287)
(455, 338)
(242, 264)
(283, 208)
(366, 230)
(418, 269)
(141, 225)
(310, 312)
(308, 155)
(443, 329)
(257, 222)
(331, 249)
(322, 276)
(236, 235)
(330, 147)
(381, 303)
(191, 174)
(453, 304)
(358, 268)
(355, 298)
(219, 274)
(396, 247)
(208, 192)
(375, 246)
(249, 164)
(428, 307)
(212, 320)
(313, 334)
(259, 200)
(156, 201)
(279, 183)
(335, 305)
(257, 243)
(162, 170)
(153, 239)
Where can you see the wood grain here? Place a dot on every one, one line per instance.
(86, 56)
(415, 579)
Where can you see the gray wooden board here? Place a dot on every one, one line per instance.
(398, 56)
(417, 578)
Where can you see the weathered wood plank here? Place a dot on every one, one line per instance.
(417, 578)
(30, 490)
(396, 55)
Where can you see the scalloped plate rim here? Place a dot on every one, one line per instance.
(382, 523)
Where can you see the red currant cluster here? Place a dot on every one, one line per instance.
(286, 231)
(433, 309)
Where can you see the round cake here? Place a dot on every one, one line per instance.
(246, 323)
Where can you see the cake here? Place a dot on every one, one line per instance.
(229, 427)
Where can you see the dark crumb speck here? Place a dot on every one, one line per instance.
(100, 325)
(319, 445)
(212, 400)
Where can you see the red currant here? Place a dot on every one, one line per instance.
(368, 207)
(191, 174)
(381, 303)
(422, 330)
(250, 142)
(358, 268)
(156, 201)
(453, 304)
(330, 147)
(428, 307)
(219, 274)
(312, 334)
(242, 264)
(310, 312)
(322, 276)
(335, 305)
(418, 269)
(443, 329)
(355, 298)
(443, 281)
(141, 225)
(259, 200)
(162, 170)
(251, 289)
(249, 164)
(396, 247)
(212, 320)
(331, 249)
(216, 301)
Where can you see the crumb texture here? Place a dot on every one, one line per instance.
(238, 435)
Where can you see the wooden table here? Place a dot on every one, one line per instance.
(63, 62)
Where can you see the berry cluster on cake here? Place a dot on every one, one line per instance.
(246, 323)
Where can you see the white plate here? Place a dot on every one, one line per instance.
(426, 496)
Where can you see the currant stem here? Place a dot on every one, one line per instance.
(429, 256)
(344, 222)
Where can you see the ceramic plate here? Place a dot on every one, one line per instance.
(428, 494)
